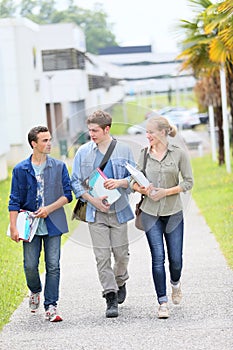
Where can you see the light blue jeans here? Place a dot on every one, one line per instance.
(169, 229)
(31, 252)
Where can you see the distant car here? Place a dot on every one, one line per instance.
(183, 119)
(150, 114)
(204, 118)
(169, 109)
(137, 129)
(140, 128)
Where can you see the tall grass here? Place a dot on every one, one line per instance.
(12, 283)
(213, 195)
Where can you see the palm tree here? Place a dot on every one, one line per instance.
(221, 47)
(196, 56)
(208, 44)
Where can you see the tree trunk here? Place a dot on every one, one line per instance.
(219, 123)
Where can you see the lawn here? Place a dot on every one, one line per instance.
(12, 283)
(213, 194)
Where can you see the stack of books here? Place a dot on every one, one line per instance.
(26, 225)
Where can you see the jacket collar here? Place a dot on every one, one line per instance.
(27, 164)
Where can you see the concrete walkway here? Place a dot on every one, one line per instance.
(204, 319)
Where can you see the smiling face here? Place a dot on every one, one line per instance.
(154, 135)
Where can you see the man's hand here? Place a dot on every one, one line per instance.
(111, 184)
(41, 213)
(101, 203)
(15, 235)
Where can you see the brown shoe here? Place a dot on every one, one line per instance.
(176, 295)
(163, 311)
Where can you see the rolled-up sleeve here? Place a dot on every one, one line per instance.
(82, 167)
(186, 172)
(66, 184)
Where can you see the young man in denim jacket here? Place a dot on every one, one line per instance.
(107, 224)
(41, 184)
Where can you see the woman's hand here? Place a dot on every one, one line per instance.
(141, 189)
(156, 193)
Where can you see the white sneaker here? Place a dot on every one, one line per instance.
(51, 314)
(176, 295)
(163, 311)
(34, 301)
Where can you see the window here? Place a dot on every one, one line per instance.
(101, 82)
(62, 59)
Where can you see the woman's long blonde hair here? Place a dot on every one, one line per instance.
(161, 123)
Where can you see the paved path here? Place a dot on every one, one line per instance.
(204, 319)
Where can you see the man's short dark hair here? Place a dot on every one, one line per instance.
(33, 133)
(100, 118)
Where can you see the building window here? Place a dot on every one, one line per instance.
(62, 59)
(101, 82)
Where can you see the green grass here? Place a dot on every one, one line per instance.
(212, 192)
(12, 283)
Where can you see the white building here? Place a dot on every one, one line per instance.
(147, 71)
(73, 82)
(47, 79)
(20, 66)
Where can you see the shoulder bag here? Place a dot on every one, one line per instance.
(138, 211)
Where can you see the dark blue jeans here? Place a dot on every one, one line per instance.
(31, 251)
(159, 230)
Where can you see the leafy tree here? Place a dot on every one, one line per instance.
(7, 8)
(201, 35)
(97, 29)
(27, 7)
(221, 47)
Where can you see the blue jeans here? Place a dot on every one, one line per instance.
(31, 252)
(159, 230)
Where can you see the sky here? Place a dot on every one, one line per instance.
(143, 22)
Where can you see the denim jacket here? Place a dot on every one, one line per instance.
(83, 165)
(56, 184)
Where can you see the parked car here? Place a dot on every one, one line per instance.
(137, 129)
(168, 109)
(204, 118)
(150, 114)
(181, 117)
